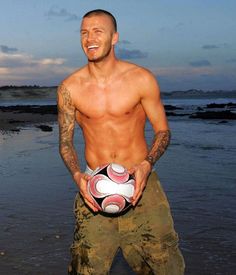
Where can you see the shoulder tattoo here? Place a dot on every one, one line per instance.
(66, 101)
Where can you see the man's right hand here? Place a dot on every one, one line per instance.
(81, 180)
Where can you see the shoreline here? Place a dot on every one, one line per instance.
(14, 117)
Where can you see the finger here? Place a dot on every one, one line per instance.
(134, 202)
(91, 205)
(89, 201)
(87, 177)
(131, 170)
(88, 198)
(138, 194)
(138, 187)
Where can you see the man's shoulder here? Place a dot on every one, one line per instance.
(135, 69)
(138, 72)
(75, 78)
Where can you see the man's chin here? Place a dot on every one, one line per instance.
(96, 59)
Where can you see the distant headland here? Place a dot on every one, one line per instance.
(50, 91)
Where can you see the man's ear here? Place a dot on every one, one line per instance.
(115, 38)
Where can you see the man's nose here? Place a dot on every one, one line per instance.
(90, 36)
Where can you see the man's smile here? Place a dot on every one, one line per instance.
(92, 47)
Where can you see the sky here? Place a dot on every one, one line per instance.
(187, 44)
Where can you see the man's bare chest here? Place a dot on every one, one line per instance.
(98, 103)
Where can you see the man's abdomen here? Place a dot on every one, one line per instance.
(115, 139)
(127, 151)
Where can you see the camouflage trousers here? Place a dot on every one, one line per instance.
(145, 234)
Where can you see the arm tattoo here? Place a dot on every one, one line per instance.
(66, 121)
(159, 145)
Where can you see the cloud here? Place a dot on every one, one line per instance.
(178, 71)
(200, 63)
(179, 25)
(172, 28)
(124, 42)
(225, 45)
(4, 71)
(214, 46)
(22, 60)
(51, 61)
(15, 60)
(124, 53)
(22, 68)
(62, 13)
(231, 60)
(210, 47)
(6, 49)
(184, 78)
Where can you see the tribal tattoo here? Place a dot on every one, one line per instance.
(66, 121)
(159, 145)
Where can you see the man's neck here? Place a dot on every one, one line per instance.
(104, 70)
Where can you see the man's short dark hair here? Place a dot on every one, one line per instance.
(101, 12)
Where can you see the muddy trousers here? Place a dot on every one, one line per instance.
(145, 234)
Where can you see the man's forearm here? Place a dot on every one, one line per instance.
(69, 157)
(159, 145)
(66, 120)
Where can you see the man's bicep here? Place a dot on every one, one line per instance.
(156, 114)
(154, 108)
(64, 100)
(66, 112)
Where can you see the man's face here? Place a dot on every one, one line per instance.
(97, 37)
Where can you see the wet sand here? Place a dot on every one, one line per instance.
(12, 118)
(37, 193)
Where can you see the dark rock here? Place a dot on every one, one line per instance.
(215, 105)
(12, 121)
(174, 114)
(231, 105)
(221, 105)
(45, 128)
(171, 107)
(15, 130)
(37, 109)
(214, 115)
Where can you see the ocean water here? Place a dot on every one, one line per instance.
(198, 173)
(197, 101)
(34, 101)
(172, 101)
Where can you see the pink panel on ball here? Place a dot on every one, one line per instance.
(119, 175)
(114, 200)
(92, 185)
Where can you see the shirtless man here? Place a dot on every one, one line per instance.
(110, 100)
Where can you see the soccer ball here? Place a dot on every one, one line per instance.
(111, 188)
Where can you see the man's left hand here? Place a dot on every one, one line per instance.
(141, 173)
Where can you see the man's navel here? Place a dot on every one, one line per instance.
(113, 155)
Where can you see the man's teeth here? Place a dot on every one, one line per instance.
(92, 47)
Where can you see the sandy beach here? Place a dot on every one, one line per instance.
(37, 192)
